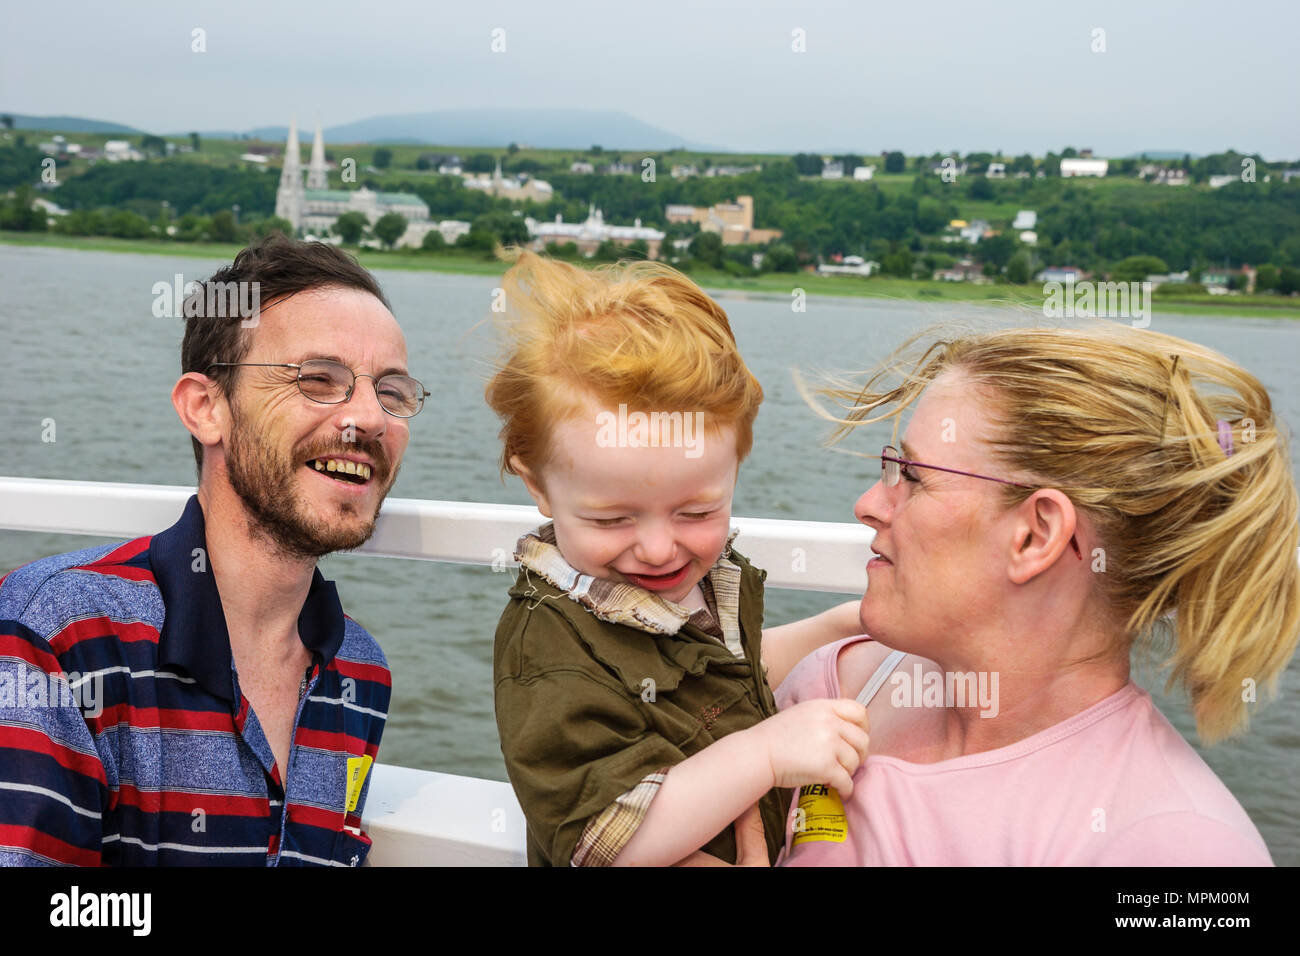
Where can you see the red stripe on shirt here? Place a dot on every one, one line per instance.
(48, 846)
(92, 628)
(159, 718)
(359, 671)
(121, 554)
(184, 801)
(37, 741)
(11, 645)
(313, 816)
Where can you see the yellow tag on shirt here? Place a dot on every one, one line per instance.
(358, 767)
(820, 815)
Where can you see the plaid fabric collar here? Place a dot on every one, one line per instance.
(620, 603)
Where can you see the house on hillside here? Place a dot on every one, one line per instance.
(1061, 274)
(1084, 167)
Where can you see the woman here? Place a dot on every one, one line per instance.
(1058, 497)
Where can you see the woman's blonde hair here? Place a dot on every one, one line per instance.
(1126, 422)
(636, 332)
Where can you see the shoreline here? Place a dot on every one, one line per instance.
(769, 285)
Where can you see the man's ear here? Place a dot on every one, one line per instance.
(533, 483)
(201, 409)
(1042, 528)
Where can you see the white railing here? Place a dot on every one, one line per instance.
(418, 817)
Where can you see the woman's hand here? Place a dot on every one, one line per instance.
(751, 844)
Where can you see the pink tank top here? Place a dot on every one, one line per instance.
(1114, 785)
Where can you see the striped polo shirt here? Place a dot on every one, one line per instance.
(124, 737)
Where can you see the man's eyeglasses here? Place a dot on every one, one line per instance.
(331, 383)
(893, 469)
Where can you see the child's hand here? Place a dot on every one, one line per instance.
(818, 741)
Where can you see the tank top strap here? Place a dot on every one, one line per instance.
(878, 678)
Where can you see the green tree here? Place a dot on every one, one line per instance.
(128, 225)
(780, 258)
(1137, 268)
(1266, 278)
(898, 263)
(508, 229)
(349, 226)
(607, 251)
(194, 142)
(1018, 268)
(997, 250)
(272, 224)
(707, 248)
(808, 164)
(479, 163)
(895, 162)
(223, 226)
(390, 228)
(21, 213)
(433, 241)
(383, 158)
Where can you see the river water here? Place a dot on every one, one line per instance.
(83, 348)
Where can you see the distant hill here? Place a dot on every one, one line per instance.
(68, 124)
(544, 129)
(1162, 154)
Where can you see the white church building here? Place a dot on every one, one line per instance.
(312, 208)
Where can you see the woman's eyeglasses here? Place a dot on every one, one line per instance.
(893, 469)
(331, 383)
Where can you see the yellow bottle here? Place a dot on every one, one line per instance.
(820, 815)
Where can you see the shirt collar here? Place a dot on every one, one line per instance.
(621, 603)
(194, 634)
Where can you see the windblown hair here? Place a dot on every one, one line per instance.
(1107, 416)
(636, 332)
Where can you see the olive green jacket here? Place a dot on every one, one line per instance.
(586, 708)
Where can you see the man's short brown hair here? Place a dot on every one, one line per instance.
(281, 267)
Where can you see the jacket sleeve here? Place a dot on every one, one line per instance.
(573, 739)
(53, 785)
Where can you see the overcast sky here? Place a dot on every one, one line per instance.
(918, 76)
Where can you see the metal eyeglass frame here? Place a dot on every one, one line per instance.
(890, 454)
(425, 393)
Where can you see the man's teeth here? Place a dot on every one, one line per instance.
(360, 469)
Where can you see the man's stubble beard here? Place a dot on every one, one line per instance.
(266, 483)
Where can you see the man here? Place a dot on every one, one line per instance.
(198, 696)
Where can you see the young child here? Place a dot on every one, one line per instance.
(635, 712)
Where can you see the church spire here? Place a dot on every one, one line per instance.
(288, 199)
(316, 176)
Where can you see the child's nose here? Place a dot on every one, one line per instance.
(655, 545)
